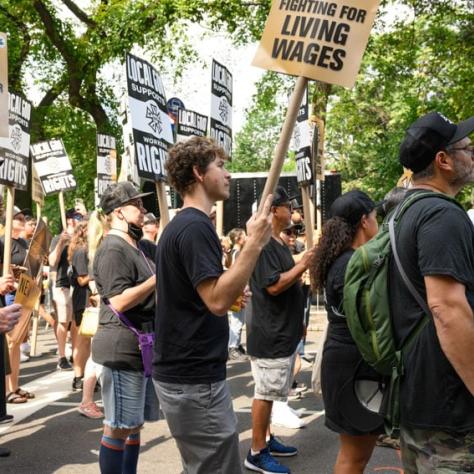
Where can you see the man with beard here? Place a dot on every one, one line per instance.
(435, 238)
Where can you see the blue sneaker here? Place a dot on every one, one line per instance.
(277, 448)
(265, 463)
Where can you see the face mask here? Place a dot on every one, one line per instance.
(135, 232)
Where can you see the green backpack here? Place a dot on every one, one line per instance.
(367, 306)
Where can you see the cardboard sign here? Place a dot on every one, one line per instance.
(319, 40)
(190, 124)
(38, 249)
(302, 136)
(106, 163)
(3, 86)
(151, 125)
(52, 166)
(15, 148)
(221, 107)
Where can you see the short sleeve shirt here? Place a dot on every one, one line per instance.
(435, 237)
(62, 278)
(275, 323)
(191, 341)
(80, 294)
(117, 267)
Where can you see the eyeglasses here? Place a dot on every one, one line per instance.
(136, 203)
(468, 149)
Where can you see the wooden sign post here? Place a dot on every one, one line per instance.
(62, 208)
(7, 250)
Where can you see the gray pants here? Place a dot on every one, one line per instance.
(204, 426)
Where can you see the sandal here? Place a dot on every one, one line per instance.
(24, 393)
(13, 397)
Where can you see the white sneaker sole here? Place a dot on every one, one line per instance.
(283, 455)
(251, 467)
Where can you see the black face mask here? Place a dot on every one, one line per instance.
(135, 232)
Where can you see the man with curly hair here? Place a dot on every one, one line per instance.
(194, 296)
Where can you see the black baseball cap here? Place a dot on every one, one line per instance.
(351, 206)
(150, 218)
(25, 212)
(280, 196)
(428, 135)
(118, 194)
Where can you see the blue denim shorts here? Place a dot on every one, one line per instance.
(129, 398)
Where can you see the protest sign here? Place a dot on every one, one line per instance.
(319, 40)
(52, 166)
(106, 163)
(151, 125)
(302, 136)
(38, 249)
(190, 124)
(221, 107)
(27, 295)
(4, 122)
(14, 149)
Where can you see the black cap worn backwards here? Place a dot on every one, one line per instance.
(427, 136)
(280, 196)
(118, 194)
(352, 206)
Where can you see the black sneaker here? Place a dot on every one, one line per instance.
(63, 364)
(77, 383)
(4, 452)
(241, 349)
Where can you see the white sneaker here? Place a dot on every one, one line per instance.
(24, 357)
(282, 415)
(299, 413)
(25, 347)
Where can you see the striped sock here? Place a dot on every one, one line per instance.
(111, 455)
(130, 455)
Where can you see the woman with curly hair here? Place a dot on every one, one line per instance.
(353, 222)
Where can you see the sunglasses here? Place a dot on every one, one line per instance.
(289, 232)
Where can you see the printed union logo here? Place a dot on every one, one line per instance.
(153, 113)
(224, 109)
(16, 137)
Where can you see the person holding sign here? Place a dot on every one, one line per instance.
(195, 294)
(124, 274)
(274, 330)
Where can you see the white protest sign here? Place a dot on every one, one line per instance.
(15, 148)
(221, 107)
(106, 163)
(319, 40)
(190, 124)
(151, 125)
(302, 137)
(53, 167)
(3, 86)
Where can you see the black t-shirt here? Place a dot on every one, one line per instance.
(275, 323)
(435, 237)
(62, 278)
(80, 294)
(18, 251)
(335, 298)
(117, 267)
(191, 342)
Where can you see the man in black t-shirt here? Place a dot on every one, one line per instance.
(62, 287)
(436, 242)
(274, 330)
(193, 298)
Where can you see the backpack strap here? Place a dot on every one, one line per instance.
(395, 218)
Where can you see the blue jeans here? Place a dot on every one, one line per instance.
(236, 324)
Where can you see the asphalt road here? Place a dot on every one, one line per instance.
(50, 436)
